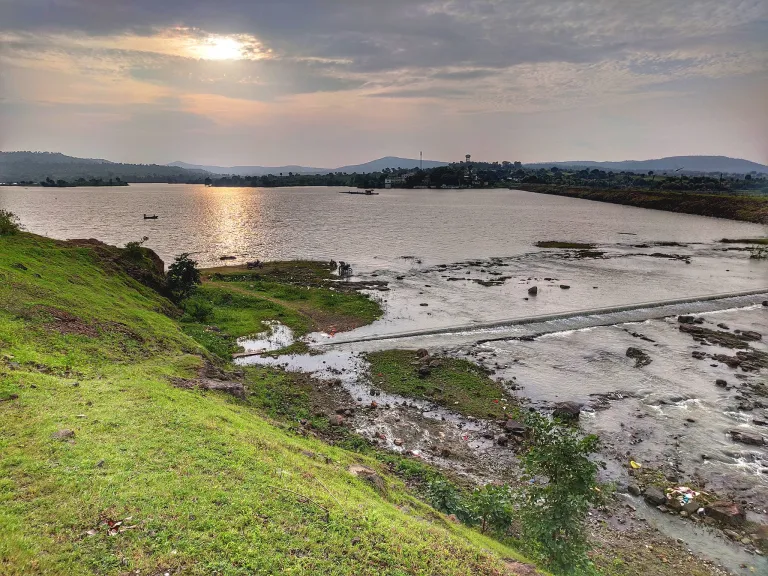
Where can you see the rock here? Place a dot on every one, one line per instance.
(720, 383)
(567, 410)
(424, 371)
(502, 440)
(641, 358)
(423, 304)
(64, 434)
(565, 286)
(514, 427)
(765, 302)
(698, 354)
(533, 290)
(336, 420)
(691, 507)
(723, 326)
(726, 512)
(422, 353)
(633, 489)
(655, 496)
(750, 335)
(398, 441)
(746, 438)
(732, 534)
(445, 453)
(100, 464)
(685, 319)
(369, 476)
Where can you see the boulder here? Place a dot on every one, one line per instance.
(64, 434)
(750, 335)
(336, 420)
(514, 427)
(424, 371)
(567, 410)
(685, 319)
(641, 358)
(565, 286)
(726, 512)
(634, 489)
(720, 383)
(655, 496)
(747, 438)
(533, 290)
(502, 440)
(422, 353)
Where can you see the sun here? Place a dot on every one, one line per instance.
(221, 48)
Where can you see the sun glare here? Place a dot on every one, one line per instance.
(221, 48)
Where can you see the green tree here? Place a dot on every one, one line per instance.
(9, 223)
(560, 490)
(183, 277)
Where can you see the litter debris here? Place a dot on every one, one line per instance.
(635, 465)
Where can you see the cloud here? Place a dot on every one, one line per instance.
(431, 57)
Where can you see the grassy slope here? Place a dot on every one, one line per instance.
(209, 485)
(456, 384)
(745, 208)
(299, 294)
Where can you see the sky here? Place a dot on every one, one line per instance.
(332, 82)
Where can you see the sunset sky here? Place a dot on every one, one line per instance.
(333, 82)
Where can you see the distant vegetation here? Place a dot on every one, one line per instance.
(34, 168)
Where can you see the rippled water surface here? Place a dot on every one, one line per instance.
(437, 226)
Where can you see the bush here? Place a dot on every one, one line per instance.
(183, 277)
(443, 496)
(198, 309)
(133, 249)
(9, 223)
(491, 507)
(562, 487)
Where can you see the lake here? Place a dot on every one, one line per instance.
(438, 226)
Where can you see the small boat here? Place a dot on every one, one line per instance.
(153, 217)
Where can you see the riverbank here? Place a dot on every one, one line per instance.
(126, 447)
(744, 208)
(125, 422)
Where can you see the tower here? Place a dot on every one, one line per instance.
(468, 156)
(421, 161)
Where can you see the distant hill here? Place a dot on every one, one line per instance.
(669, 164)
(250, 170)
(37, 166)
(391, 162)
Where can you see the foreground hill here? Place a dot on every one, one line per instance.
(37, 166)
(107, 467)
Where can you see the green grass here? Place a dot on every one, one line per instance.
(763, 241)
(456, 384)
(242, 301)
(559, 244)
(207, 484)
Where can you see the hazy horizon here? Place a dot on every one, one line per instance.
(328, 84)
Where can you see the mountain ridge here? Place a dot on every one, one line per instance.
(377, 165)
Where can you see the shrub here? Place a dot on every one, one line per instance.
(9, 223)
(183, 277)
(133, 249)
(491, 506)
(443, 496)
(198, 309)
(562, 487)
